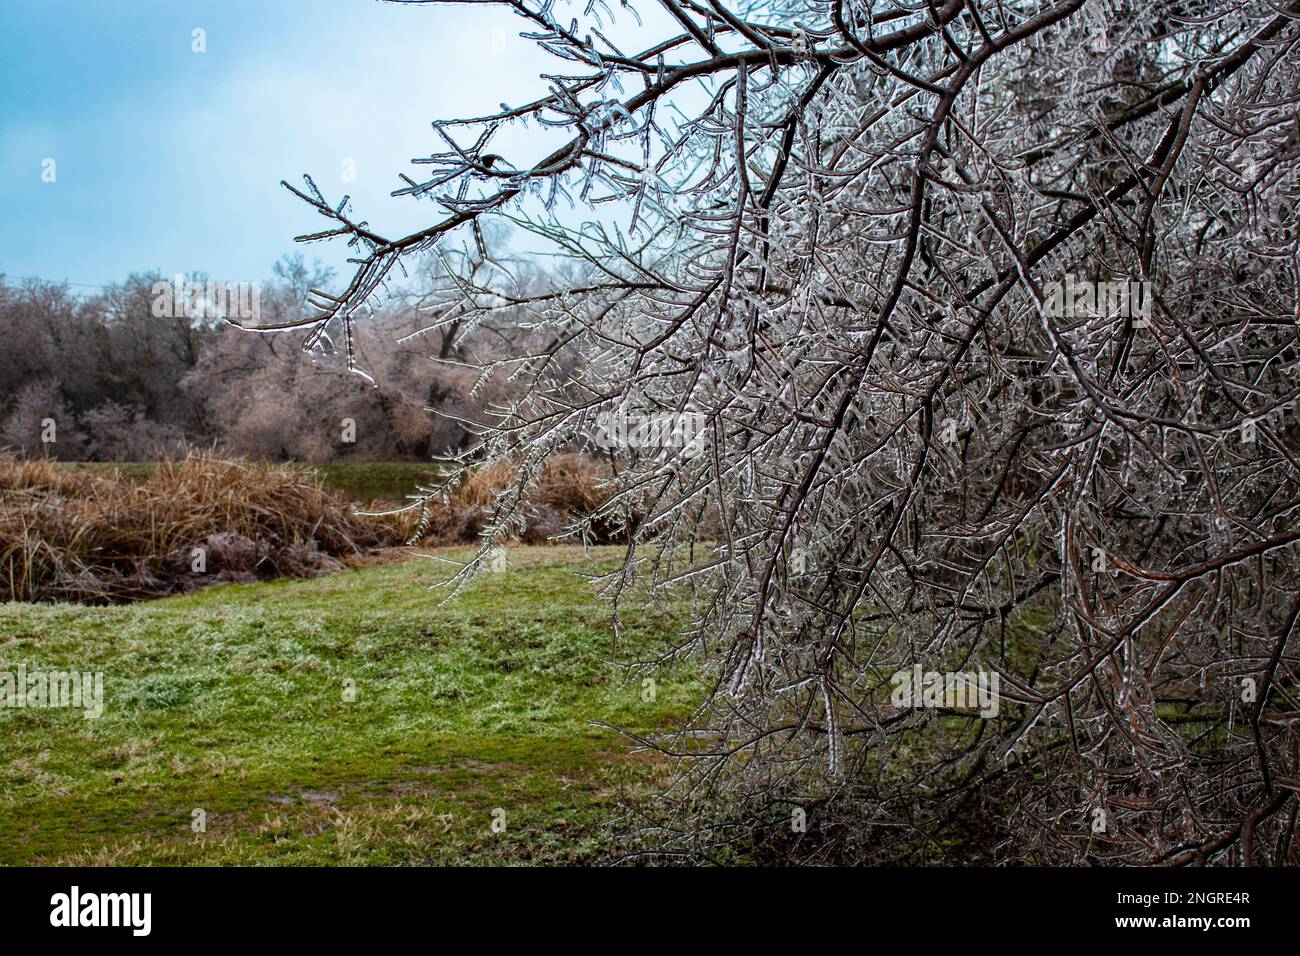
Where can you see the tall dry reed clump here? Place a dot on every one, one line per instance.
(70, 534)
(67, 534)
(571, 486)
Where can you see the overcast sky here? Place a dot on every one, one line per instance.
(171, 160)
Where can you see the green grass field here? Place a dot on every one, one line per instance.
(231, 701)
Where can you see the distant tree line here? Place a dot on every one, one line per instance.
(118, 381)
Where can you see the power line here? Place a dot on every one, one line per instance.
(84, 285)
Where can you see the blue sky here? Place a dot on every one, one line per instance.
(169, 159)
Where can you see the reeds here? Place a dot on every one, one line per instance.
(70, 534)
(67, 534)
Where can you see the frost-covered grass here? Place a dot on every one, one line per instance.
(231, 700)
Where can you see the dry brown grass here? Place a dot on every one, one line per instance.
(68, 534)
(569, 488)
